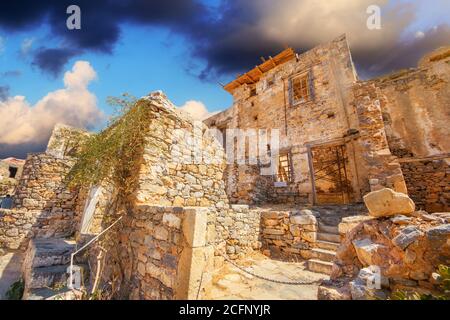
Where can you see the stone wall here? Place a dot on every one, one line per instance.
(43, 207)
(237, 232)
(43, 204)
(381, 166)
(428, 183)
(18, 226)
(43, 186)
(158, 253)
(288, 234)
(181, 166)
(7, 184)
(146, 255)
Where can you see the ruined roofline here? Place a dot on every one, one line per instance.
(255, 74)
(13, 160)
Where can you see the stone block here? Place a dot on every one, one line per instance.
(309, 236)
(367, 251)
(387, 202)
(348, 223)
(195, 226)
(193, 264)
(439, 232)
(406, 236)
(172, 220)
(161, 233)
(303, 219)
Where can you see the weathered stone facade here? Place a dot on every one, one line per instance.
(370, 125)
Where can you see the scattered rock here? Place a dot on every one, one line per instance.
(401, 220)
(438, 232)
(366, 250)
(348, 223)
(330, 291)
(407, 236)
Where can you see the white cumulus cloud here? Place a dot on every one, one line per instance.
(196, 109)
(75, 105)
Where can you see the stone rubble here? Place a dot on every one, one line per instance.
(407, 251)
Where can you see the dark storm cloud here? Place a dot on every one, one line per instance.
(20, 150)
(101, 22)
(232, 37)
(4, 93)
(53, 60)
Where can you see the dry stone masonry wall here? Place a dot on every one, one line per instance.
(287, 234)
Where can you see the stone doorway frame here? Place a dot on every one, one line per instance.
(346, 143)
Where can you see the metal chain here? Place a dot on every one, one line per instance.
(260, 276)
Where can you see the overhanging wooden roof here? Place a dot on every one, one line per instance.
(255, 74)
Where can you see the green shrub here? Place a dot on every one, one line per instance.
(15, 291)
(443, 276)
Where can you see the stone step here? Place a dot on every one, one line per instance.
(324, 255)
(49, 252)
(48, 294)
(53, 276)
(320, 266)
(328, 229)
(327, 245)
(330, 237)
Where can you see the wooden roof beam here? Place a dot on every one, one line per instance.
(259, 69)
(251, 79)
(273, 61)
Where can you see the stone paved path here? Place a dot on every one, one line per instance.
(10, 272)
(230, 283)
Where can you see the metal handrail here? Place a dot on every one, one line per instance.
(70, 284)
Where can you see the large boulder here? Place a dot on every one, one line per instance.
(387, 202)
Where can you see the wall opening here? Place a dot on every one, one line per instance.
(12, 172)
(284, 173)
(331, 175)
(299, 89)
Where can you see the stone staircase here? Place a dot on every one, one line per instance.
(328, 238)
(45, 268)
(323, 254)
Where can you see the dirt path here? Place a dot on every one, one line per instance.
(231, 283)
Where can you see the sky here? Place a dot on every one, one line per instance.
(186, 48)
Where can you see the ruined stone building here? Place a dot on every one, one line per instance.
(10, 173)
(341, 137)
(169, 238)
